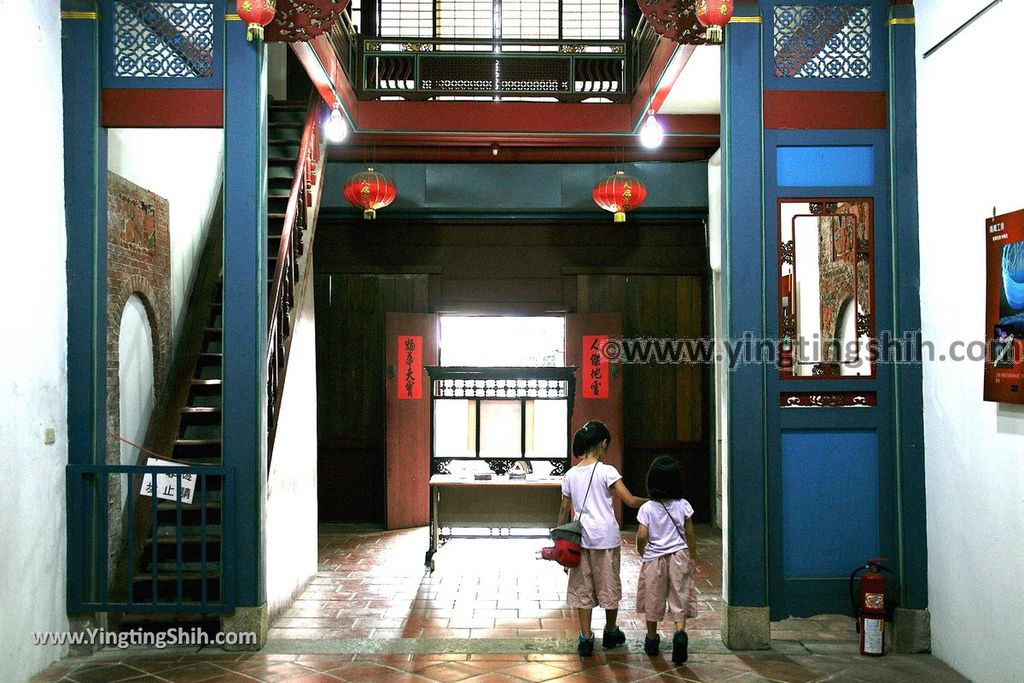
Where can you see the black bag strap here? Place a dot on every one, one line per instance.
(579, 513)
(674, 523)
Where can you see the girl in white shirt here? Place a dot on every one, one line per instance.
(664, 539)
(588, 488)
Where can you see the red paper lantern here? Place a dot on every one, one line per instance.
(619, 193)
(714, 14)
(256, 14)
(370, 190)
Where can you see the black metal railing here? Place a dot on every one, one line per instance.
(345, 41)
(185, 563)
(425, 68)
(645, 42)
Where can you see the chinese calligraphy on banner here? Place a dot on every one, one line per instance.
(410, 367)
(595, 367)
(166, 484)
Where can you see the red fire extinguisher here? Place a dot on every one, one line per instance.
(870, 609)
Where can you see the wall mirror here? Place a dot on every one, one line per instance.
(826, 288)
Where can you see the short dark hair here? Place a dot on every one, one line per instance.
(665, 479)
(589, 436)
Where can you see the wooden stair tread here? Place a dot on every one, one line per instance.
(173, 576)
(194, 507)
(192, 540)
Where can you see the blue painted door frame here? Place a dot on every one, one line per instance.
(757, 536)
(243, 427)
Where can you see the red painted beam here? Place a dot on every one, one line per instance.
(161, 108)
(683, 131)
(824, 110)
(517, 154)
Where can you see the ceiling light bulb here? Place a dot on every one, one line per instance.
(651, 134)
(335, 128)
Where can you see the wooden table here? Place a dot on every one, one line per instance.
(497, 503)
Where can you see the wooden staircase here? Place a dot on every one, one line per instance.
(176, 555)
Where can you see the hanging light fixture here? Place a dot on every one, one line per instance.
(651, 133)
(256, 14)
(335, 128)
(370, 190)
(619, 193)
(714, 14)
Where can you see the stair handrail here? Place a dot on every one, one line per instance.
(300, 216)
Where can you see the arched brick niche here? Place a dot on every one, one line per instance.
(138, 263)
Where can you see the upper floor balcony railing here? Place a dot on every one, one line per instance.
(413, 68)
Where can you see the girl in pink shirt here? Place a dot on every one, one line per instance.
(665, 540)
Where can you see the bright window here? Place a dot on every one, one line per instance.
(502, 341)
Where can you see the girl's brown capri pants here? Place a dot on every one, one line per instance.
(668, 578)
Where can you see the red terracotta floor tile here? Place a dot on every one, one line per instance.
(194, 673)
(448, 672)
(534, 671)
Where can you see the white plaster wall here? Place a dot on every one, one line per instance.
(135, 380)
(970, 151)
(184, 166)
(714, 236)
(291, 511)
(33, 374)
(277, 70)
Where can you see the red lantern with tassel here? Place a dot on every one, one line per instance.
(714, 14)
(370, 190)
(619, 193)
(256, 14)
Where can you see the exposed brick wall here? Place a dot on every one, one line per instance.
(840, 271)
(138, 262)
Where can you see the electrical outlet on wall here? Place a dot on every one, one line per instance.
(49, 436)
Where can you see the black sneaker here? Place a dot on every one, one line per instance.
(586, 646)
(679, 643)
(613, 638)
(652, 645)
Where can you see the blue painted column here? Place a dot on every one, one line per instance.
(245, 306)
(909, 427)
(745, 621)
(85, 204)
(85, 183)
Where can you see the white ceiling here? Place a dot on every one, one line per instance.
(698, 88)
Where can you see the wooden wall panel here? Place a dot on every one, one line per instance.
(509, 268)
(350, 388)
(665, 404)
(652, 272)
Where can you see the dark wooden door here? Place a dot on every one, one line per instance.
(593, 401)
(350, 322)
(665, 404)
(410, 345)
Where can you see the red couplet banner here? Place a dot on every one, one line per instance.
(595, 367)
(1004, 308)
(410, 367)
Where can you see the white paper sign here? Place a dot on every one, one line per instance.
(166, 484)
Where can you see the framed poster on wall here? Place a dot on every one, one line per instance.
(1004, 307)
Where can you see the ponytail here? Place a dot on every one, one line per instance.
(588, 437)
